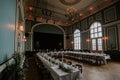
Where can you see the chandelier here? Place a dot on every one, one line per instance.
(71, 13)
(71, 10)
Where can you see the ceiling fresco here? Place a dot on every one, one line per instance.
(62, 12)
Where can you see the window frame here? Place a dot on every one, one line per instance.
(96, 34)
(77, 40)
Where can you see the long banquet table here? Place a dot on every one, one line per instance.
(56, 72)
(94, 57)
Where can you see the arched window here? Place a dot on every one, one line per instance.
(77, 44)
(96, 36)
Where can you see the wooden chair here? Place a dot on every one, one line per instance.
(79, 67)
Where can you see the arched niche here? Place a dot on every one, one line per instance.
(47, 28)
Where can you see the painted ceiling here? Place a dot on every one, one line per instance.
(62, 12)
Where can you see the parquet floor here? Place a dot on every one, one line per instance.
(110, 71)
(31, 71)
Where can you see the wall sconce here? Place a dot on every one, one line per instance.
(72, 42)
(24, 38)
(87, 40)
(105, 38)
(30, 8)
(105, 42)
(21, 28)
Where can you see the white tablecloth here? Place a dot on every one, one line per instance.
(59, 74)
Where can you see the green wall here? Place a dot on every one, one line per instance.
(7, 28)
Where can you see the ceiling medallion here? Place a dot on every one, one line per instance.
(69, 2)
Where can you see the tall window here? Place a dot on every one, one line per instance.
(96, 36)
(77, 44)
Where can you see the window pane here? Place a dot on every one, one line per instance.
(76, 39)
(76, 31)
(100, 44)
(93, 41)
(95, 25)
(79, 41)
(100, 34)
(74, 46)
(92, 26)
(77, 35)
(95, 35)
(93, 44)
(99, 40)
(95, 30)
(98, 24)
(99, 47)
(77, 46)
(99, 29)
(94, 47)
(91, 30)
(91, 35)
(74, 35)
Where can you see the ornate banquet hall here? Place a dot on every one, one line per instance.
(60, 40)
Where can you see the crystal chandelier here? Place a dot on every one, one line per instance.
(71, 10)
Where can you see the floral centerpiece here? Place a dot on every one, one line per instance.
(65, 68)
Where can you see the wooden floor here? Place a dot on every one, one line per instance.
(31, 71)
(110, 71)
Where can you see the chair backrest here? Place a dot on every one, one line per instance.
(69, 62)
(79, 67)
